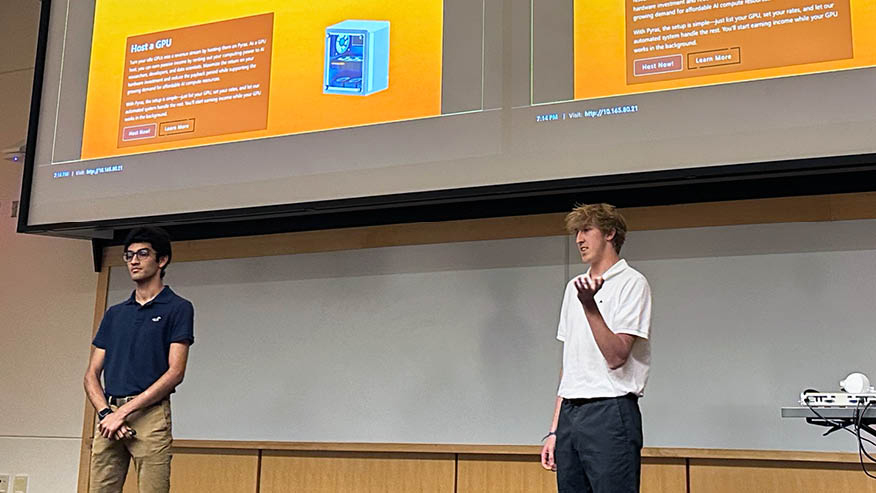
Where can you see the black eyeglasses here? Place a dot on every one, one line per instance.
(141, 254)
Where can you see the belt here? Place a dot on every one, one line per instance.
(578, 402)
(120, 401)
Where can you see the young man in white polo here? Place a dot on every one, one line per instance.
(595, 438)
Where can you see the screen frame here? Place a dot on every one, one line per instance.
(809, 176)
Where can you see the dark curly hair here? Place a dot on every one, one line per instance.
(157, 238)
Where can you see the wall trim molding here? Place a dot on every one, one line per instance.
(813, 208)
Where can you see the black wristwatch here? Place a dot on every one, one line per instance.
(104, 413)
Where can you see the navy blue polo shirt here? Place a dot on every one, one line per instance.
(137, 340)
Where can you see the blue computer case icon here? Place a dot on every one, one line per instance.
(356, 57)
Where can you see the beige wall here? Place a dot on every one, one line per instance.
(46, 299)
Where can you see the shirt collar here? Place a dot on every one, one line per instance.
(615, 269)
(163, 297)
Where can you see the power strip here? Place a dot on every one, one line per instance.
(837, 399)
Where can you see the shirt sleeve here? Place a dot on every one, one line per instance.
(102, 338)
(562, 328)
(184, 324)
(634, 310)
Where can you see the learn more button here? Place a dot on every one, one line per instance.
(657, 65)
(177, 127)
(139, 132)
(713, 58)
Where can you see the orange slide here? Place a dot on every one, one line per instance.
(170, 74)
(650, 45)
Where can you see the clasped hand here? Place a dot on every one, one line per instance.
(113, 427)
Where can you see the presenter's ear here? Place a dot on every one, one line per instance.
(163, 261)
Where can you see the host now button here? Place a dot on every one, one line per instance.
(139, 132)
(177, 127)
(658, 65)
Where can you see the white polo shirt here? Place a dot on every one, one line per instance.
(625, 304)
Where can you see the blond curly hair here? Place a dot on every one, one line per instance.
(603, 216)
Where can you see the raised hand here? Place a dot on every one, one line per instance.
(587, 289)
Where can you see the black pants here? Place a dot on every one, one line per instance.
(599, 445)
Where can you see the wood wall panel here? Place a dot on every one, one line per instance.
(753, 476)
(524, 474)
(504, 474)
(664, 475)
(353, 472)
(214, 471)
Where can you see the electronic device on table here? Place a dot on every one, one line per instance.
(852, 410)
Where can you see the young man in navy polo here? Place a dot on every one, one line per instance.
(141, 348)
(595, 438)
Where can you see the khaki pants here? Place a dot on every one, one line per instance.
(150, 450)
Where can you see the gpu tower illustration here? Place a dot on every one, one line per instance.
(356, 57)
